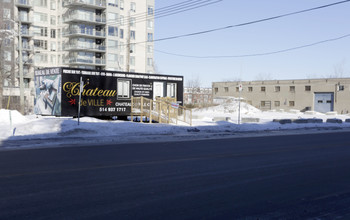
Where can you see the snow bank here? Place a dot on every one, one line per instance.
(8, 116)
(65, 130)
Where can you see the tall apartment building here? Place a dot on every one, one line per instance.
(91, 34)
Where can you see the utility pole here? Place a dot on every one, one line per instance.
(20, 60)
(240, 88)
(128, 44)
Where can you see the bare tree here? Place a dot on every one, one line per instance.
(193, 84)
(6, 42)
(263, 76)
(338, 70)
(233, 79)
(155, 68)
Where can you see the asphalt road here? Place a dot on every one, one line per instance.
(281, 177)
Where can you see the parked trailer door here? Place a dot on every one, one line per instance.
(324, 102)
(158, 89)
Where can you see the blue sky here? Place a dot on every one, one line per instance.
(312, 62)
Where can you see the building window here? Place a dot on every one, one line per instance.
(226, 89)
(277, 88)
(250, 89)
(53, 5)
(132, 61)
(6, 13)
(40, 3)
(277, 103)
(53, 46)
(53, 59)
(149, 62)
(216, 90)
(121, 60)
(292, 88)
(133, 6)
(171, 90)
(150, 10)
(132, 35)
(340, 87)
(113, 44)
(113, 3)
(40, 44)
(149, 48)
(307, 88)
(26, 83)
(40, 31)
(121, 20)
(262, 103)
(40, 58)
(112, 58)
(121, 33)
(263, 89)
(112, 17)
(40, 17)
(132, 22)
(113, 31)
(121, 4)
(124, 88)
(53, 33)
(7, 42)
(149, 24)
(291, 103)
(150, 37)
(8, 55)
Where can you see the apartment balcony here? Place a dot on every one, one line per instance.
(94, 4)
(26, 61)
(85, 18)
(27, 48)
(85, 61)
(27, 33)
(25, 19)
(85, 48)
(77, 32)
(24, 3)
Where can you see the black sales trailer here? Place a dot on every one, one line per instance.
(101, 93)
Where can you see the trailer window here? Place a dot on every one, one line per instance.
(124, 88)
(171, 90)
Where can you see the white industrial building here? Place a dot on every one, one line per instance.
(321, 95)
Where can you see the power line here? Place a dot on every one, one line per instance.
(250, 23)
(175, 7)
(257, 54)
(170, 10)
(169, 7)
(245, 24)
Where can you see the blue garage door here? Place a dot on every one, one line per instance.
(324, 102)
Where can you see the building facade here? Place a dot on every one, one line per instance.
(90, 34)
(321, 95)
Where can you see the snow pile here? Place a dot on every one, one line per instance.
(11, 116)
(31, 130)
(228, 109)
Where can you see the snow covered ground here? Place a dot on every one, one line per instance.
(18, 131)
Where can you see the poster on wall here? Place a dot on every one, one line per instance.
(47, 93)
